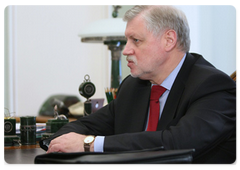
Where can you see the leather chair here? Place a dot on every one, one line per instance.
(234, 76)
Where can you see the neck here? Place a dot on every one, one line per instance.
(165, 70)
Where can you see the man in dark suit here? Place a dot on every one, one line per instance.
(197, 110)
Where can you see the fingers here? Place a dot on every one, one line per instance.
(54, 148)
(57, 145)
(71, 142)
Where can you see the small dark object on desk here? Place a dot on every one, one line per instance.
(28, 130)
(12, 140)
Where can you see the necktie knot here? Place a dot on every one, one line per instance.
(157, 92)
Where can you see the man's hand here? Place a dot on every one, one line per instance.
(71, 142)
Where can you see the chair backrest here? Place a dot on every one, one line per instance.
(234, 76)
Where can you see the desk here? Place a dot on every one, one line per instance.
(24, 154)
(44, 119)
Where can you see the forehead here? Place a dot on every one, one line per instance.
(136, 26)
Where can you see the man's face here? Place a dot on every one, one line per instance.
(144, 51)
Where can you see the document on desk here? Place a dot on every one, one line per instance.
(40, 128)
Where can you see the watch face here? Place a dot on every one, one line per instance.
(89, 139)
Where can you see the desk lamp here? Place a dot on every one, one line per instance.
(111, 33)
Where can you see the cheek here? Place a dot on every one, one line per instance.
(148, 55)
(145, 63)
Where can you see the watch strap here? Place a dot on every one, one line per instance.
(86, 147)
(87, 144)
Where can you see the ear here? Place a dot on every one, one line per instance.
(170, 39)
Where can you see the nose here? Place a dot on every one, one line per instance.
(128, 50)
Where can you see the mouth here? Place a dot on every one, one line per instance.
(131, 61)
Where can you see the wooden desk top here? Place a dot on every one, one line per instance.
(22, 147)
(24, 154)
(44, 119)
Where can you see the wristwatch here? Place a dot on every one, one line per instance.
(87, 142)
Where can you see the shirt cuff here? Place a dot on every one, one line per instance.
(98, 143)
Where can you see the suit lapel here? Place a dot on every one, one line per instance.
(141, 110)
(175, 94)
(133, 106)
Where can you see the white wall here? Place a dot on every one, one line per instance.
(47, 56)
(213, 34)
(44, 55)
(224, 39)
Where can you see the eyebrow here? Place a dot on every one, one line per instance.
(133, 36)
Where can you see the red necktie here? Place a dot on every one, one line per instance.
(156, 93)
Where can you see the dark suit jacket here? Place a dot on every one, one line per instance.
(200, 113)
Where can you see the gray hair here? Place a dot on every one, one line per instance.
(160, 18)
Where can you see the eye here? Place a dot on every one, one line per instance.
(136, 40)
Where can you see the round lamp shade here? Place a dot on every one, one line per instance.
(110, 29)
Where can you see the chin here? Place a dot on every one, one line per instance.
(136, 75)
(140, 76)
